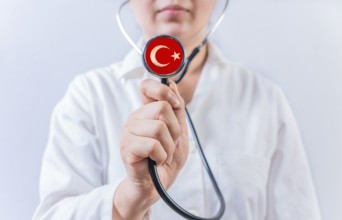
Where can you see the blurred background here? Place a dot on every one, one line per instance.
(44, 44)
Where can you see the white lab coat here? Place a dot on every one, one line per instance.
(243, 120)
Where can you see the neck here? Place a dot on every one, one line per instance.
(198, 62)
(188, 84)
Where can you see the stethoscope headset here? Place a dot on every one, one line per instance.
(183, 68)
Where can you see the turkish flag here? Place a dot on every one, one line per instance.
(164, 56)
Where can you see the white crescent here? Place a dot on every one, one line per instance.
(153, 56)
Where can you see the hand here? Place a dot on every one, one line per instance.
(157, 130)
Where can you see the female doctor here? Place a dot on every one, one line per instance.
(111, 120)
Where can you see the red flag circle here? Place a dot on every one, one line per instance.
(163, 56)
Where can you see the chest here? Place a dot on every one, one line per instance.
(187, 86)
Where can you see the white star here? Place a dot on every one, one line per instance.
(175, 56)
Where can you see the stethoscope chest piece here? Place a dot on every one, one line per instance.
(164, 56)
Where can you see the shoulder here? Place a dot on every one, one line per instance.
(238, 73)
(242, 79)
(102, 76)
(87, 88)
(107, 78)
(115, 74)
(109, 86)
(244, 88)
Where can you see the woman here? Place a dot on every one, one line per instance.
(112, 119)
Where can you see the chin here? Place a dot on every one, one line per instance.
(174, 31)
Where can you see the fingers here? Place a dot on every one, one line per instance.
(134, 148)
(152, 90)
(159, 111)
(157, 121)
(158, 130)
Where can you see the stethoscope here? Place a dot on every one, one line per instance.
(182, 67)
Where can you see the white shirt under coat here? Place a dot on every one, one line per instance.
(244, 123)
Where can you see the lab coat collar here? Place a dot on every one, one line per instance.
(132, 65)
(215, 55)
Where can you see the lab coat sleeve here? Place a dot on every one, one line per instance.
(291, 193)
(73, 167)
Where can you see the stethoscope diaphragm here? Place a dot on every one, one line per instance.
(164, 56)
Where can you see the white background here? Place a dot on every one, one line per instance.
(44, 44)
